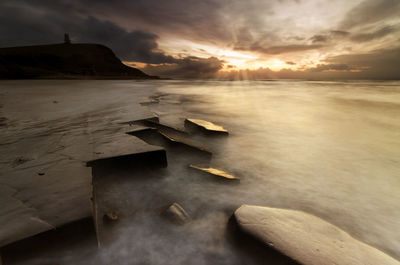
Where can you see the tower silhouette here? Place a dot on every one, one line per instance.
(67, 39)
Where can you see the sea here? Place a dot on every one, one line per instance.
(328, 148)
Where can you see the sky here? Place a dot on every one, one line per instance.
(233, 39)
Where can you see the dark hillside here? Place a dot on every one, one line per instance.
(76, 61)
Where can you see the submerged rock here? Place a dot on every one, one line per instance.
(141, 121)
(141, 129)
(3, 121)
(111, 216)
(206, 125)
(19, 161)
(162, 127)
(215, 172)
(169, 140)
(307, 239)
(177, 214)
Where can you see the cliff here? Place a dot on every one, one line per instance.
(64, 61)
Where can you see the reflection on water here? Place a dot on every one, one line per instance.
(329, 148)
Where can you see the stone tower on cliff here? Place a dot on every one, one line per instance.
(67, 39)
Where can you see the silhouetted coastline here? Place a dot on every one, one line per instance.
(65, 61)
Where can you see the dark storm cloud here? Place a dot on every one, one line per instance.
(138, 46)
(33, 27)
(131, 29)
(233, 22)
(198, 19)
(47, 21)
(319, 38)
(339, 33)
(329, 36)
(380, 33)
(189, 17)
(212, 21)
(369, 12)
(25, 22)
(378, 64)
(189, 67)
(25, 25)
(360, 36)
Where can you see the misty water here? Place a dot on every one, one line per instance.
(331, 149)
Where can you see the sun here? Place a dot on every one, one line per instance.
(276, 64)
(235, 63)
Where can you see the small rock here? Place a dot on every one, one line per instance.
(19, 161)
(3, 121)
(111, 216)
(40, 173)
(177, 214)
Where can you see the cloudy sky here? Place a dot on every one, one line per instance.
(312, 39)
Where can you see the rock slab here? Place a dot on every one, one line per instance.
(307, 239)
(177, 214)
(206, 125)
(215, 172)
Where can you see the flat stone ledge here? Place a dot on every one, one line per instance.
(124, 149)
(307, 239)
